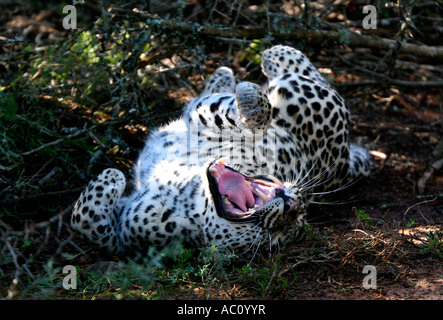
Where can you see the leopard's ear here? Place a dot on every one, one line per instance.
(221, 81)
(280, 60)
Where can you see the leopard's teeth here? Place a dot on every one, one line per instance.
(212, 169)
(247, 183)
(226, 201)
(276, 181)
(261, 195)
(222, 160)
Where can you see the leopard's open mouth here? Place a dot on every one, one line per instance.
(238, 197)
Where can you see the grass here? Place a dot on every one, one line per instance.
(434, 244)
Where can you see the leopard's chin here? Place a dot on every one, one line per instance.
(238, 197)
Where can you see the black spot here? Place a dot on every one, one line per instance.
(340, 125)
(218, 121)
(334, 119)
(283, 123)
(166, 215)
(318, 119)
(295, 86)
(286, 75)
(302, 100)
(293, 109)
(326, 112)
(316, 106)
(214, 106)
(310, 129)
(285, 93)
(275, 112)
(337, 99)
(203, 120)
(170, 226)
(283, 156)
(231, 121)
(101, 229)
(309, 95)
(339, 139)
(137, 208)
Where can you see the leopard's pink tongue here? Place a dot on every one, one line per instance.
(233, 185)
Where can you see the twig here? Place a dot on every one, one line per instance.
(352, 39)
(34, 197)
(416, 205)
(53, 143)
(392, 82)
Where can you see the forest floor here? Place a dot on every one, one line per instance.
(392, 220)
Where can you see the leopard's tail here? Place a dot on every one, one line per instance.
(360, 163)
(95, 213)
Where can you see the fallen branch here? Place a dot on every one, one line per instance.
(344, 36)
(40, 196)
(53, 143)
(394, 83)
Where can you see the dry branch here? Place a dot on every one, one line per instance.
(345, 36)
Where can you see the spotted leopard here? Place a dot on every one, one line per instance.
(236, 171)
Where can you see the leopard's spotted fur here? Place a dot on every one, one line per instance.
(296, 130)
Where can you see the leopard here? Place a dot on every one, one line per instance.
(236, 171)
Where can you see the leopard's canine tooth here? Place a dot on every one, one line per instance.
(276, 181)
(261, 195)
(222, 160)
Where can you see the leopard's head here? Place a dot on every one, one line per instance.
(275, 209)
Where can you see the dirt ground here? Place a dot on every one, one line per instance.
(392, 220)
(391, 198)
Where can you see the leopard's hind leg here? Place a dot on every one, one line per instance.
(360, 163)
(95, 213)
(280, 60)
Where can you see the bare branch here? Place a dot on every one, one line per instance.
(350, 38)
